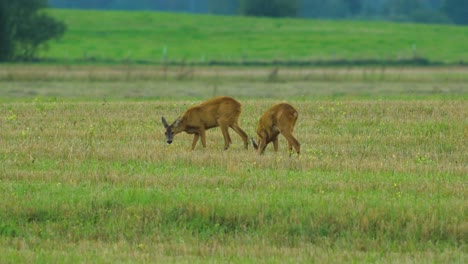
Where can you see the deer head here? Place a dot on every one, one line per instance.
(170, 129)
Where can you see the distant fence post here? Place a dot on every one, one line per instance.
(164, 62)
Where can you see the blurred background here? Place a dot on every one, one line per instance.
(422, 11)
(412, 32)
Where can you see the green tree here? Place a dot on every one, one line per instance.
(270, 8)
(24, 28)
(6, 40)
(457, 10)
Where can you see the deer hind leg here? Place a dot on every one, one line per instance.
(292, 142)
(242, 134)
(275, 143)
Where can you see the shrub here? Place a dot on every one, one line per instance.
(24, 29)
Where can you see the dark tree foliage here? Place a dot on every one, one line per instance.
(354, 6)
(270, 8)
(457, 10)
(6, 39)
(330, 8)
(24, 28)
(225, 7)
(423, 11)
(401, 7)
(194, 6)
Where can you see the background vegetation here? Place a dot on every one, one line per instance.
(422, 11)
(24, 28)
(146, 83)
(113, 36)
(147, 37)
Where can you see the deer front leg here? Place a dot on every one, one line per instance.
(241, 133)
(227, 138)
(196, 136)
(261, 146)
(203, 137)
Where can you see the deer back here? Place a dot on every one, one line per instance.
(279, 117)
(210, 112)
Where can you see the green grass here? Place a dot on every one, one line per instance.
(86, 176)
(143, 36)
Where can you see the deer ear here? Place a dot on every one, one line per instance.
(164, 122)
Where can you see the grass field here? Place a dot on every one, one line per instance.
(133, 82)
(86, 175)
(156, 37)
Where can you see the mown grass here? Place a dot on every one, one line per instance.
(132, 82)
(84, 179)
(116, 36)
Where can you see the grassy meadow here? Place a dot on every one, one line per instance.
(156, 37)
(86, 175)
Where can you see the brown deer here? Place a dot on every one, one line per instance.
(279, 119)
(220, 111)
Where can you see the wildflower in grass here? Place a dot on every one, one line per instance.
(12, 116)
(25, 133)
(423, 159)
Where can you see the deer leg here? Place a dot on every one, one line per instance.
(292, 141)
(275, 143)
(195, 140)
(254, 143)
(290, 146)
(203, 137)
(224, 125)
(241, 133)
(261, 147)
(227, 138)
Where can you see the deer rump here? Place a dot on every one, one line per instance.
(279, 119)
(220, 111)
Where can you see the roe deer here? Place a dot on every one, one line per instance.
(279, 119)
(220, 111)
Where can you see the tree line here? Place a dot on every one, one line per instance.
(423, 11)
